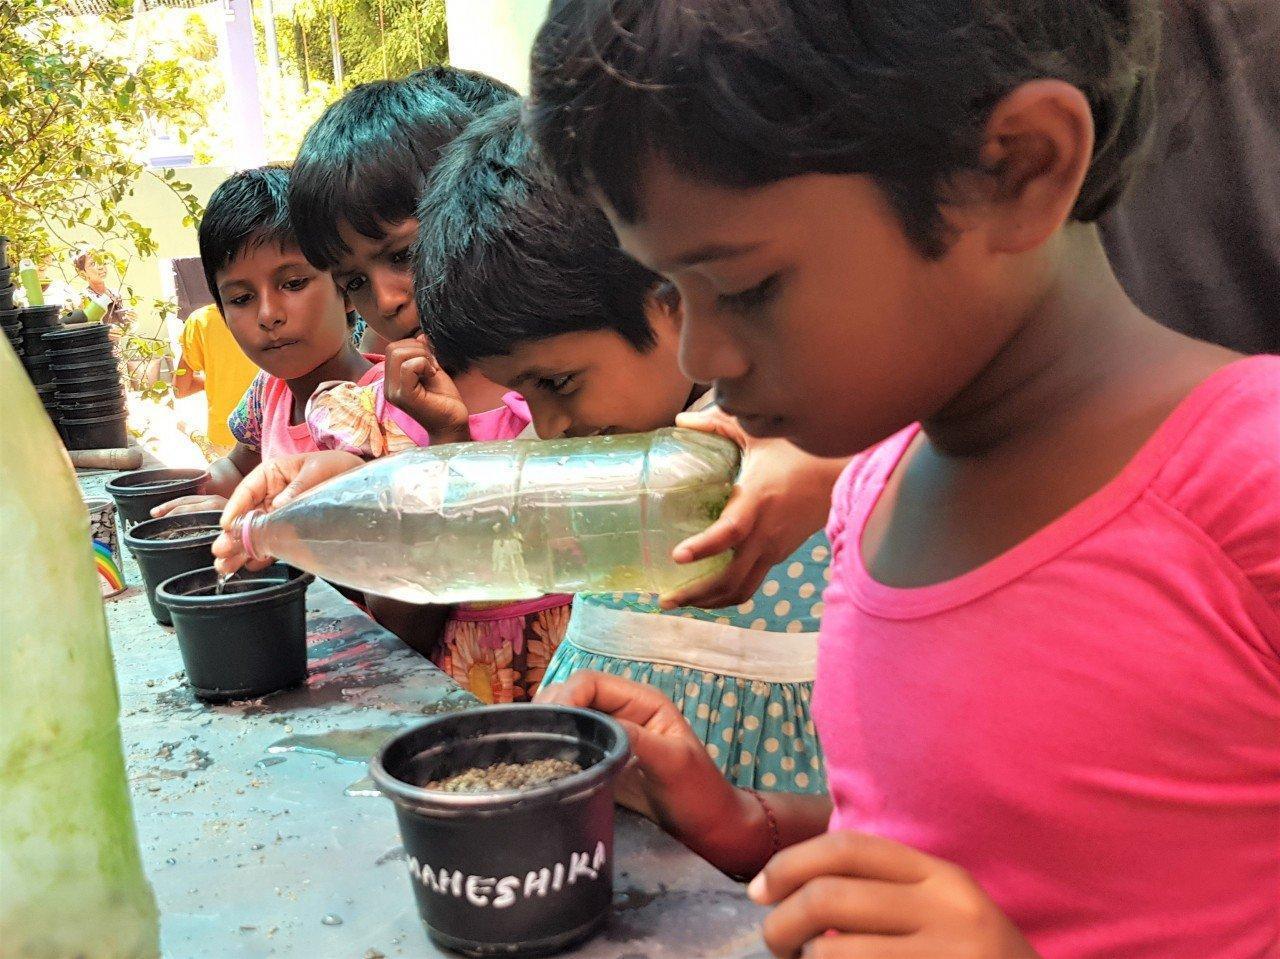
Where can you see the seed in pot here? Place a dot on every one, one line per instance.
(502, 776)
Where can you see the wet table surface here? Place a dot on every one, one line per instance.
(262, 837)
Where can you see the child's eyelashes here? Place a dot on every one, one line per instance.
(352, 285)
(297, 283)
(557, 384)
(752, 298)
(240, 300)
(402, 257)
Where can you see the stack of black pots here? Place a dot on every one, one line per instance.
(89, 394)
(36, 322)
(8, 315)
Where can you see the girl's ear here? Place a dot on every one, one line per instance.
(663, 303)
(1037, 149)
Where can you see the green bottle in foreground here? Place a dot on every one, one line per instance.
(72, 882)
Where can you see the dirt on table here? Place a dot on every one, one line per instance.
(504, 776)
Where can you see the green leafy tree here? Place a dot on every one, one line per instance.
(76, 120)
(377, 39)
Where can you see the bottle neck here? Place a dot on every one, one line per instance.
(245, 530)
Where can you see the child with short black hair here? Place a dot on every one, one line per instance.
(287, 316)
(1049, 681)
(356, 184)
(518, 278)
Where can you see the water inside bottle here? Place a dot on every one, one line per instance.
(487, 525)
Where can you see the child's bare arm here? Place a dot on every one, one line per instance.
(675, 782)
(225, 475)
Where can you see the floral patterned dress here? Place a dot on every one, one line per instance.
(499, 652)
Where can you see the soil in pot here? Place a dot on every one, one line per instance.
(106, 432)
(243, 643)
(168, 546)
(503, 873)
(505, 776)
(137, 493)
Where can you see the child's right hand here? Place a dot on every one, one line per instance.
(415, 383)
(270, 486)
(672, 780)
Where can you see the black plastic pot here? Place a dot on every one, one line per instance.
(6, 272)
(6, 297)
(137, 493)
(513, 874)
(107, 400)
(94, 366)
(76, 335)
(247, 642)
(41, 317)
(88, 384)
(75, 398)
(95, 432)
(41, 372)
(33, 343)
(97, 353)
(108, 408)
(4, 250)
(160, 557)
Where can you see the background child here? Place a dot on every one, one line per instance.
(288, 318)
(1050, 673)
(524, 282)
(356, 184)
(211, 361)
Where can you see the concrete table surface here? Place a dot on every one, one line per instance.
(262, 837)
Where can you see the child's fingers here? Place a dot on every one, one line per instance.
(838, 902)
(730, 587)
(733, 525)
(716, 421)
(840, 853)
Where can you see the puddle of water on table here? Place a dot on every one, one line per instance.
(362, 787)
(344, 745)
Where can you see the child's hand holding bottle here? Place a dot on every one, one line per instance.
(270, 486)
(781, 499)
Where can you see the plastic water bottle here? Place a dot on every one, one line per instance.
(509, 520)
(71, 880)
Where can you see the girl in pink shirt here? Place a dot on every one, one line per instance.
(1049, 669)
(289, 318)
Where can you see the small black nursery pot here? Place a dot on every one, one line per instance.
(47, 317)
(6, 297)
(137, 493)
(511, 873)
(81, 404)
(245, 642)
(108, 432)
(77, 335)
(80, 355)
(168, 546)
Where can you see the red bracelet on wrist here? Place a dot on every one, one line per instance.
(771, 824)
